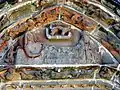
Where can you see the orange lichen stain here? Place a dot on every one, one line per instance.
(89, 24)
(2, 72)
(110, 48)
(49, 15)
(78, 20)
(18, 27)
(114, 52)
(107, 45)
(3, 45)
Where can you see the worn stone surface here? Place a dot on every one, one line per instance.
(87, 60)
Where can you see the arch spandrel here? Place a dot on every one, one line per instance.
(58, 13)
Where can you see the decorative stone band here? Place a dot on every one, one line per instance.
(105, 77)
(47, 16)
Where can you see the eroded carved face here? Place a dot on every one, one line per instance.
(36, 39)
(32, 44)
